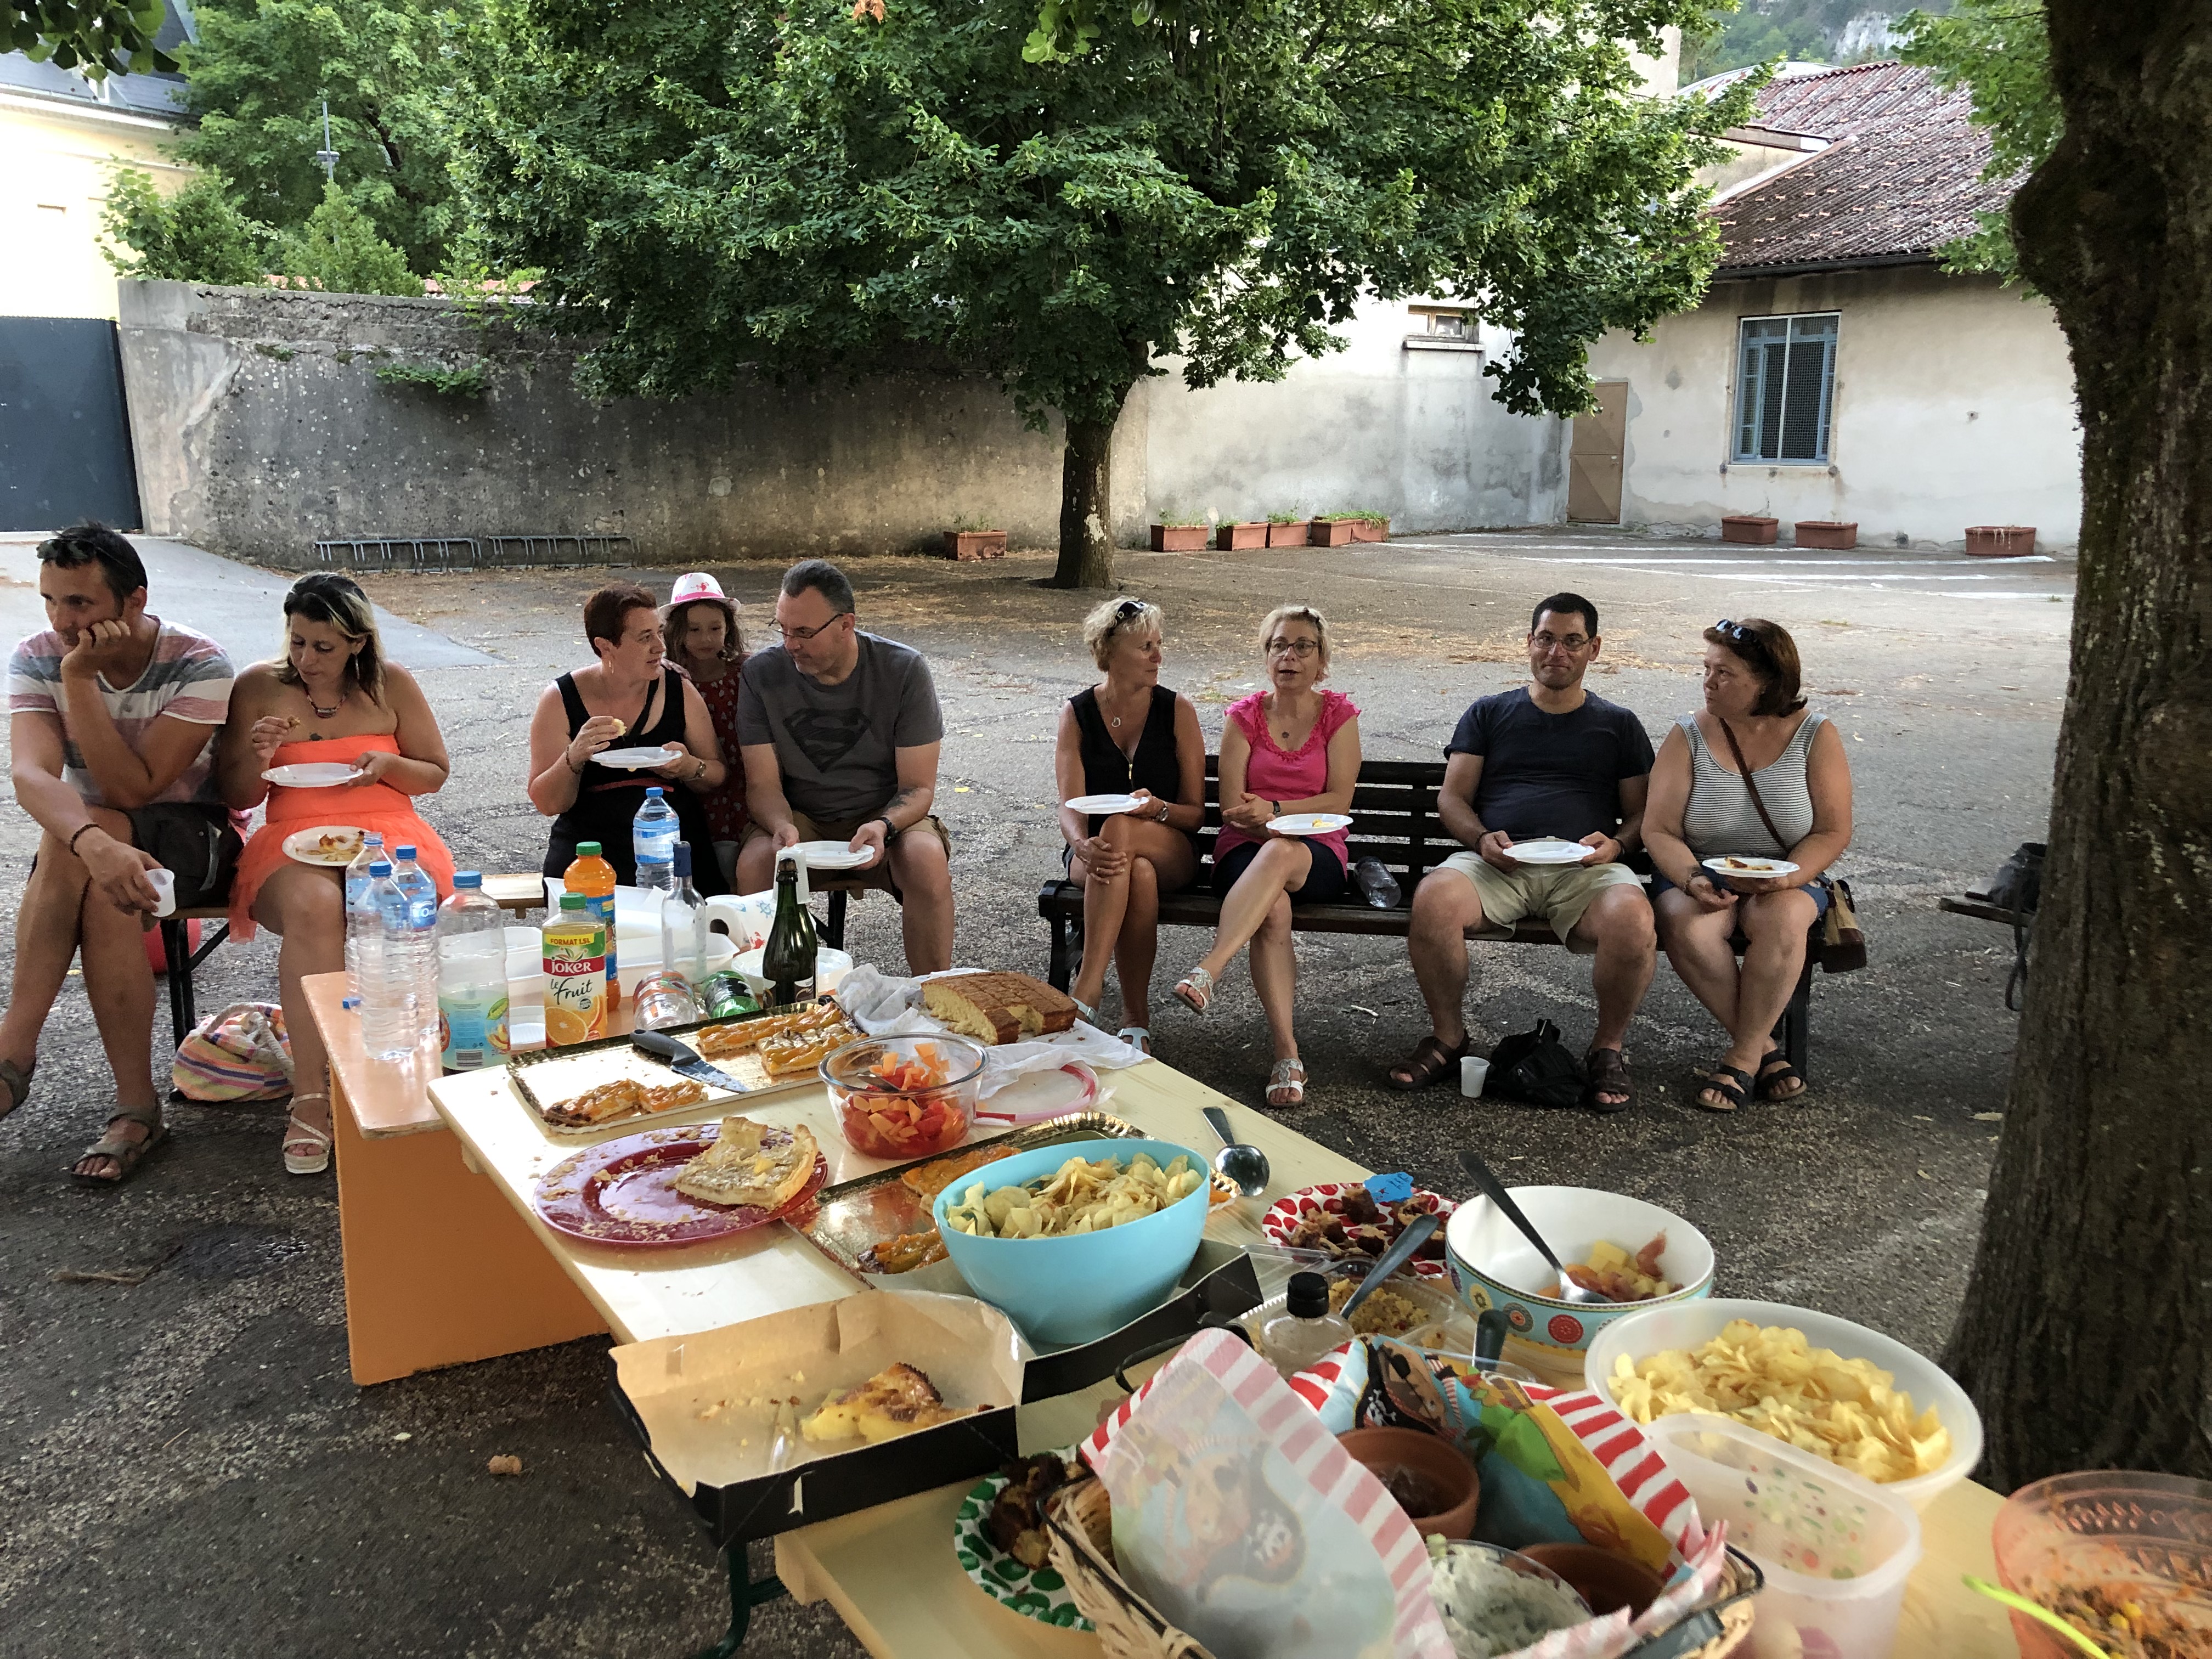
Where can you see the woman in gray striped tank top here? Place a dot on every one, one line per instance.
(1754, 719)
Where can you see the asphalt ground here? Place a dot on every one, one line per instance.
(186, 1468)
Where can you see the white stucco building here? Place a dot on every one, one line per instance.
(1833, 371)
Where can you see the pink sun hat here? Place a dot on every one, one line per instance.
(695, 585)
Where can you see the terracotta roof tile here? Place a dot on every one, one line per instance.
(1900, 176)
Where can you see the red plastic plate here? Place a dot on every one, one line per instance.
(623, 1192)
(1283, 1216)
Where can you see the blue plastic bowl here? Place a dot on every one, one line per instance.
(1064, 1291)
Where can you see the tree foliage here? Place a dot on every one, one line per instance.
(2000, 51)
(717, 188)
(257, 76)
(338, 249)
(96, 38)
(199, 234)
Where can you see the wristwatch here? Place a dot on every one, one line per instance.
(700, 770)
(1164, 812)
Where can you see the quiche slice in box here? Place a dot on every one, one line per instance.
(895, 1401)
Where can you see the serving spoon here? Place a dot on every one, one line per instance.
(1494, 1190)
(1400, 1253)
(1245, 1166)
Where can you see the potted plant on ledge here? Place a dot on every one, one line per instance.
(1231, 538)
(1330, 529)
(1285, 530)
(967, 539)
(1179, 536)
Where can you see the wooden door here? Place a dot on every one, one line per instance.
(1594, 457)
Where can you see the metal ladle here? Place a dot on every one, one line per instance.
(1244, 1165)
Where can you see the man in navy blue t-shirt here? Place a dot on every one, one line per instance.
(1544, 785)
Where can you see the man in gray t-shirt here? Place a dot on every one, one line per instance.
(839, 731)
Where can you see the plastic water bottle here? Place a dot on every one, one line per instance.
(683, 925)
(356, 879)
(378, 926)
(471, 978)
(653, 836)
(422, 895)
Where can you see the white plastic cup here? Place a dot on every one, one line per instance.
(165, 888)
(1473, 1069)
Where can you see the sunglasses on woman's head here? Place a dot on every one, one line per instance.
(1128, 609)
(1737, 632)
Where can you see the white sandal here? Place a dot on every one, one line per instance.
(1194, 990)
(313, 1153)
(1289, 1077)
(1138, 1037)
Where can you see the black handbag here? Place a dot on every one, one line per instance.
(1535, 1067)
(2017, 886)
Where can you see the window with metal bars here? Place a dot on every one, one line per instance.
(1786, 386)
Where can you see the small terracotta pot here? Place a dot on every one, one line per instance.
(1370, 530)
(1178, 537)
(1233, 537)
(975, 544)
(1330, 532)
(1750, 527)
(1607, 1581)
(1839, 534)
(1288, 535)
(1400, 1457)
(2000, 541)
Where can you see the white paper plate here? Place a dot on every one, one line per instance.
(1308, 823)
(1548, 849)
(1746, 865)
(1103, 806)
(313, 774)
(634, 760)
(833, 855)
(300, 846)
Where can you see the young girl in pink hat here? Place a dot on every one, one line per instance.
(700, 627)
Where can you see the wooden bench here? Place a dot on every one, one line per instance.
(1393, 819)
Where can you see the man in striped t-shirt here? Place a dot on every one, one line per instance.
(113, 714)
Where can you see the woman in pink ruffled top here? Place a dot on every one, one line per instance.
(1289, 749)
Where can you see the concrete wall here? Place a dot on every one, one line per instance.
(1953, 406)
(259, 428)
(1410, 429)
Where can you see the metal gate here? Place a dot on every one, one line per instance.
(64, 434)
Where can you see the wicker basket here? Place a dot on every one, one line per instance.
(1079, 1522)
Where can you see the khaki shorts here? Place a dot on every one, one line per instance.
(1559, 893)
(843, 829)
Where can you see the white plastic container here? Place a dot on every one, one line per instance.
(1836, 1549)
(1692, 1324)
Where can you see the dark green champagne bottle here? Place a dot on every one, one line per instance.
(787, 962)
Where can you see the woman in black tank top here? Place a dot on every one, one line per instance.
(1128, 735)
(642, 703)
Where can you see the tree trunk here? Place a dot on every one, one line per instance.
(1086, 507)
(2086, 1334)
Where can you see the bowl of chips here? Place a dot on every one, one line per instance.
(1074, 1241)
(1617, 1245)
(1862, 1400)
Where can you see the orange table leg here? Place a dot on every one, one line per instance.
(440, 1270)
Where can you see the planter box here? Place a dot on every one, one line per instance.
(2000, 541)
(1287, 535)
(1749, 527)
(1827, 532)
(1370, 530)
(1178, 537)
(975, 544)
(1330, 532)
(1234, 538)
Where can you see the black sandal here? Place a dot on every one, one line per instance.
(1775, 1070)
(1718, 1081)
(1609, 1075)
(1430, 1063)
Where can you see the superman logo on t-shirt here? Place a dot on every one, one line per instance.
(826, 736)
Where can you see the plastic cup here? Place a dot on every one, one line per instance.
(1473, 1069)
(164, 887)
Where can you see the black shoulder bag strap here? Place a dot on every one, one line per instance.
(1743, 771)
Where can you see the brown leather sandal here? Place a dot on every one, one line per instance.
(126, 1154)
(1607, 1074)
(1430, 1061)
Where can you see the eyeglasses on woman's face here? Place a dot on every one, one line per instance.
(1301, 649)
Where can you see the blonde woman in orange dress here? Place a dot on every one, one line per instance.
(331, 697)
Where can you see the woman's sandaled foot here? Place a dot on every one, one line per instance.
(1432, 1059)
(111, 1160)
(1724, 1089)
(1194, 990)
(1138, 1037)
(1087, 1013)
(307, 1145)
(14, 1084)
(1286, 1085)
(1778, 1079)
(1610, 1088)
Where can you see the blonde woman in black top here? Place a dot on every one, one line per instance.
(1128, 735)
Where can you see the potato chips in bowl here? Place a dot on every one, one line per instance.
(1862, 1400)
